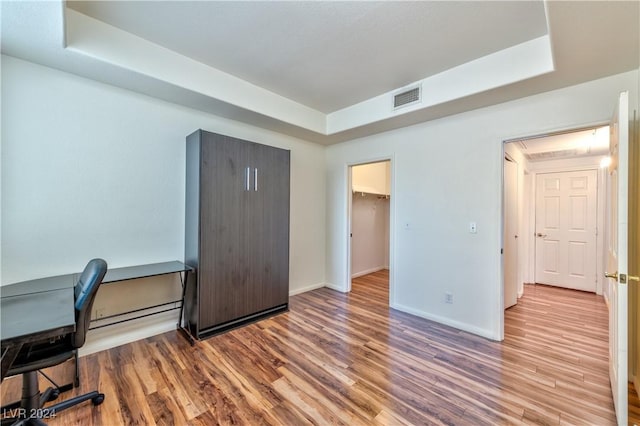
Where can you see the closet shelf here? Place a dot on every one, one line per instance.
(368, 190)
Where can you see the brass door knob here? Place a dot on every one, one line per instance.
(614, 275)
(633, 278)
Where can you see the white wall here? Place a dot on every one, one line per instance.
(447, 172)
(91, 170)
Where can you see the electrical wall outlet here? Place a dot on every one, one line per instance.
(448, 297)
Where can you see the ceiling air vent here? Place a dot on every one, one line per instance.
(406, 97)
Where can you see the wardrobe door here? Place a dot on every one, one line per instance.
(270, 227)
(224, 233)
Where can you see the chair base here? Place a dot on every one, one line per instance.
(31, 411)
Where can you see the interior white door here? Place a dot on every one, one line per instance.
(510, 233)
(566, 212)
(634, 253)
(617, 262)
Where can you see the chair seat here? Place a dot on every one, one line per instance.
(37, 356)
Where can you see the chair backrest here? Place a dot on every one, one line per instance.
(85, 292)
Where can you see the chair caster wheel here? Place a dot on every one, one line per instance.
(98, 399)
(55, 394)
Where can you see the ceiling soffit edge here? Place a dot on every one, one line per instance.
(90, 37)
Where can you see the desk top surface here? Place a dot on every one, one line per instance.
(112, 276)
(38, 285)
(144, 271)
(35, 313)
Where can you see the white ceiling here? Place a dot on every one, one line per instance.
(288, 66)
(327, 55)
(588, 142)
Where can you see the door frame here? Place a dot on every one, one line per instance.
(392, 209)
(503, 151)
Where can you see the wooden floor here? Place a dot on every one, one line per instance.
(634, 407)
(348, 359)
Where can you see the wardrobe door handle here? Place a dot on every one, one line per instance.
(247, 179)
(255, 179)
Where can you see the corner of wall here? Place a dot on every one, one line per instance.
(306, 289)
(488, 334)
(335, 287)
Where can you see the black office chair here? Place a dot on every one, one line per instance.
(40, 355)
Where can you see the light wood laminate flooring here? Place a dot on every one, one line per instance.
(634, 407)
(348, 359)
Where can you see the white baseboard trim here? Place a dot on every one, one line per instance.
(367, 271)
(447, 321)
(119, 334)
(305, 289)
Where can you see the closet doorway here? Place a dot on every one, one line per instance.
(369, 227)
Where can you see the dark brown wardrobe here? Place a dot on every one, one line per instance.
(236, 232)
